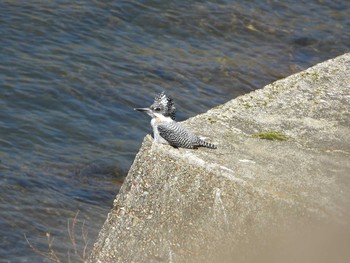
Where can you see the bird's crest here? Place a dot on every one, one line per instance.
(164, 105)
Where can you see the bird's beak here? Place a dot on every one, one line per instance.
(142, 109)
(147, 110)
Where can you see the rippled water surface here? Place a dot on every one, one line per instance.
(71, 73)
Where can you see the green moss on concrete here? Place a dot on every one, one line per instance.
(211, 120)
(271, 135)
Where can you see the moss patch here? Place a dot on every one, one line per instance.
(271, 135)
(211, 120)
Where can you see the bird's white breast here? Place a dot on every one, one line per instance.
(155, 122)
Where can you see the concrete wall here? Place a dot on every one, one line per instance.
(251, 199)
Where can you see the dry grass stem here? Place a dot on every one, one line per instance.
(77, 256)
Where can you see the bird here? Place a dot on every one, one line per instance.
(166, 130)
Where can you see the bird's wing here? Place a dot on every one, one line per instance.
(175, 134)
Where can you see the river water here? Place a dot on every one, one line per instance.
(71, 73)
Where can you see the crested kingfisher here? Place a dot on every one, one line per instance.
(166, 130)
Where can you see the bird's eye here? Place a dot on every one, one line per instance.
(157, 109)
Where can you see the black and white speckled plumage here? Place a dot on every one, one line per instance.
(179, 136)
(166, 130)
(164, 105)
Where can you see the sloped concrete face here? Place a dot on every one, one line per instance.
(250, 197)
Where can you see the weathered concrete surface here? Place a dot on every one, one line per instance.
(231, 204)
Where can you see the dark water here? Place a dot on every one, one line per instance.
(72, 71)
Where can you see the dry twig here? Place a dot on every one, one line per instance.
(51, 254)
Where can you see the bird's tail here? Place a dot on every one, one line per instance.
(207, 144)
